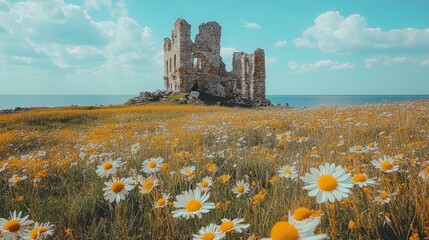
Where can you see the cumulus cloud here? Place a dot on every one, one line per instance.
(386, 60)
(425, 62)
(270, 60)
(66, 35)
(251, 25)
(280, 43)
(332, 32)
(226, 52)
(97, 4)
(320, 64)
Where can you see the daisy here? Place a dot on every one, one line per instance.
(211, 232)
(384, 197)
(211, 167)
(135, 148)
(328, 183)
(372, 146)
(16, 226)
(4, 167)
(147, 184)
(358, 149)
(235, 225)
(188, 172)
(205, 184)
(192, 203)
(385, 164)
(108, 168)
(162, 201)
(224, 178)
(425, 173)
(314, 153)
(362, 181)
(40, 231)
(240, 188)
(285, 230)
(15, 179)
(301, 215)
(286, 136)
(152, 165)
(117, 189)
(288, 172)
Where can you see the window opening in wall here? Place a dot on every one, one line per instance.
(198, 61)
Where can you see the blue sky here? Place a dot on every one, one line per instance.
(311, 47)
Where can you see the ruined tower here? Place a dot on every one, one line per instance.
(197, 65)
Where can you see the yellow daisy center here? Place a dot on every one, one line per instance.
(386, 165)
(384, 196)
(225, 178)
(371, 145)
(426, 171)
(359, 178)
(327, 183)
(148, 185)
(240, 189)
(211, 167)
(12, 226)
(204, 184)
(36, 231)
(301, 213)
(16, 179)
(107, 166)
(226, 226)
(358, 149)
(152, 164)
(208, 236)
(188, 172)
(283, 135)
(161, 202)
(287, 171)
(284, 231)
(193, 205)
(117, 186)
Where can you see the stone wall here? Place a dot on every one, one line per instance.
(197, 65)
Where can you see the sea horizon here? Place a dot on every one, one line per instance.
(12, 101)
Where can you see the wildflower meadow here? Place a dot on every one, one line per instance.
(208, 172)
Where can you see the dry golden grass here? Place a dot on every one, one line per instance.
(59, 149)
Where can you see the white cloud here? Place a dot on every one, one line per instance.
(26, 60)
(270, 60)
(342, 66)
(425, 62)
(293, 65)
(280, 43)
(65, 35)
(226, 52)
(251, 25)
(320, 64)
(385, 60)
(97, 4)
(332, 32)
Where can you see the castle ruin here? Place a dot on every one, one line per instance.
(197, 65)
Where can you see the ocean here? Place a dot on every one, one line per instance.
(297, 101)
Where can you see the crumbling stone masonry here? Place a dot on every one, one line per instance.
(198, 66)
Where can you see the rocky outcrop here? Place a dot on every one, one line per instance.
(194, 97)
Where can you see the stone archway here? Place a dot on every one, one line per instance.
(194, 87)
